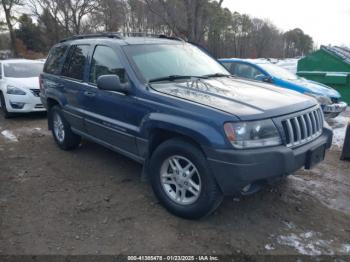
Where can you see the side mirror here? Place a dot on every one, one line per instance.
(264, 78)
(112, 83)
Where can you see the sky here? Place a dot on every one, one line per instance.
(327, 22)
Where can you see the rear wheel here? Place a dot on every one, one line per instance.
(3, 107)
(182, 181)
(61, 130)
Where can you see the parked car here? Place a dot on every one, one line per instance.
(199, 132)
(19, 86)
(262, 70)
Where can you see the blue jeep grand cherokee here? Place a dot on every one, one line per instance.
(199, 132)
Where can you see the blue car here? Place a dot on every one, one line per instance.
(262, 70)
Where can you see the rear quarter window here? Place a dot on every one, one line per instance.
(55, 60)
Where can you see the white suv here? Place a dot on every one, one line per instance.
(19, 86)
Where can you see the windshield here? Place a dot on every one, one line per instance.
(158, 61)
(23, 70)
(278, 72)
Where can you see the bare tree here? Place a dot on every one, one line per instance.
(69, 14)
(8, 6)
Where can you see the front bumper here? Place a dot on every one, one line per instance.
(23, 103)
(235, 169)
(334, 110)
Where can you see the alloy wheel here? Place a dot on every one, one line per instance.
(58, 127)
(180, 180)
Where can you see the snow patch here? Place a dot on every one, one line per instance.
(339, 125)
(306, 243)
(269, 247)
(290, 64)
(289, 224)
(9, 135)
(346, 248)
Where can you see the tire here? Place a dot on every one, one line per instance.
(186, 205)
(61, 130)
(4, 108)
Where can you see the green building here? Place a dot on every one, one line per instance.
(330, 66)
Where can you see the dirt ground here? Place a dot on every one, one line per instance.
(92, 201)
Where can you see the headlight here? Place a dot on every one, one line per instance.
(322, 100)
(12, 90)
(252, 134)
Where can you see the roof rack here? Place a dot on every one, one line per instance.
(108, 35)
(121, 36)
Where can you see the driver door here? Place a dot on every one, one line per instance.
(111, 117)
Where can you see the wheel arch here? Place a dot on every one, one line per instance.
(158, 127)
(51, 102)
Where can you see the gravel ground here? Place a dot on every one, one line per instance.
(92, 201)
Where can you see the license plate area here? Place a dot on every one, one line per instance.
(315, 156)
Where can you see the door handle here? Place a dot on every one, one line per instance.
(89, 94)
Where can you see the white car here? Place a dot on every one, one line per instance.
(19, 86)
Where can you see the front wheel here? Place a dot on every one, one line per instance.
(61, 130)
(182, 180)
(3, 107)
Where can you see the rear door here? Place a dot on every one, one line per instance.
(74, 88)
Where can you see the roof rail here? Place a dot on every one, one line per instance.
(121, 36)
(145, 34)
(108, 35)
(172, 38)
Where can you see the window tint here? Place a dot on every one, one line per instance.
(106, 62)
(247, 71)
(55, 59)
(75, 62)
(230, 67)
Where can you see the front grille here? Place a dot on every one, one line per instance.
(36, 92)
(303, 128)
(39, 106)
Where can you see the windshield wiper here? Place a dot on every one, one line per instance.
(217, 75)
(172, 78)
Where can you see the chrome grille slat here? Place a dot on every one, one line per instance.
(35, 92)
(309, 125)
(313, 121)
(303, 128)
(303, 124)
(317, 120)
(290, 131)
(297, 129)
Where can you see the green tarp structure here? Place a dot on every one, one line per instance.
(330, 66)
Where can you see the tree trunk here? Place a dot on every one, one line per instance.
(10, 27)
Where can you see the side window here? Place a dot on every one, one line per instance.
(106, 62)
(0, 70)
(230, 67)
(74, 65)
(247, 71)
(55, 59)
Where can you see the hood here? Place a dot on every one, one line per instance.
(248, 100)
(25, 83)
(315, 87)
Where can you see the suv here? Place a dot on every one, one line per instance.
(199, 132)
